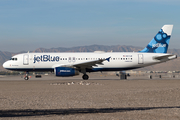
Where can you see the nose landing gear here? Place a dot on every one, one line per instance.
(26, 77)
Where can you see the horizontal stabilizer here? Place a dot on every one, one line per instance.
(165, 57)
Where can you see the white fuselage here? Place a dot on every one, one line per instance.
(48, 61)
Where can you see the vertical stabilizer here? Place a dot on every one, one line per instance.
(160, 43)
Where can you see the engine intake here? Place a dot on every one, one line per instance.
(65, 71)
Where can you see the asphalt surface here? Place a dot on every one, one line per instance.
(99, 98)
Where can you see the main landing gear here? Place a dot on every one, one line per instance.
(26, 77)
(85, 77)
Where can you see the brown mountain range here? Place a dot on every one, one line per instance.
(167, 66)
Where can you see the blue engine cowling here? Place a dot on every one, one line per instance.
(65, 71)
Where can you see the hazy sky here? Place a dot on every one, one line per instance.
(30, 24)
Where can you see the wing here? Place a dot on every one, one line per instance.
(83, 65)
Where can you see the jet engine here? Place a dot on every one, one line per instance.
(65, 71)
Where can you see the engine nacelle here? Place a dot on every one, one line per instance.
(65, 71)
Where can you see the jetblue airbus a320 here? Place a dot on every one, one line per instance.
(71, 64)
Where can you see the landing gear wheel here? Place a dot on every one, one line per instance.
(85, 77)
(26, 78)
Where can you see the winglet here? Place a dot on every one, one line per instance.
(108, 59)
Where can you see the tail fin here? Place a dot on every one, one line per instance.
(160, 43)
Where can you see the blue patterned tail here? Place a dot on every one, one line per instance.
(160, 43)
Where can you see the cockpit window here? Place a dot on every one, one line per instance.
(14, 59)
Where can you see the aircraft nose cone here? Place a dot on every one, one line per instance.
(5, 65)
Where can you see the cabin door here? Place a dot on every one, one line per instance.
(26, 60)
(140, 59)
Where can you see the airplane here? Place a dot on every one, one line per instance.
(71, 64)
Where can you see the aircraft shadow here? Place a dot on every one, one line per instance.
(43, 112)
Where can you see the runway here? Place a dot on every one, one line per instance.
(101, 98)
